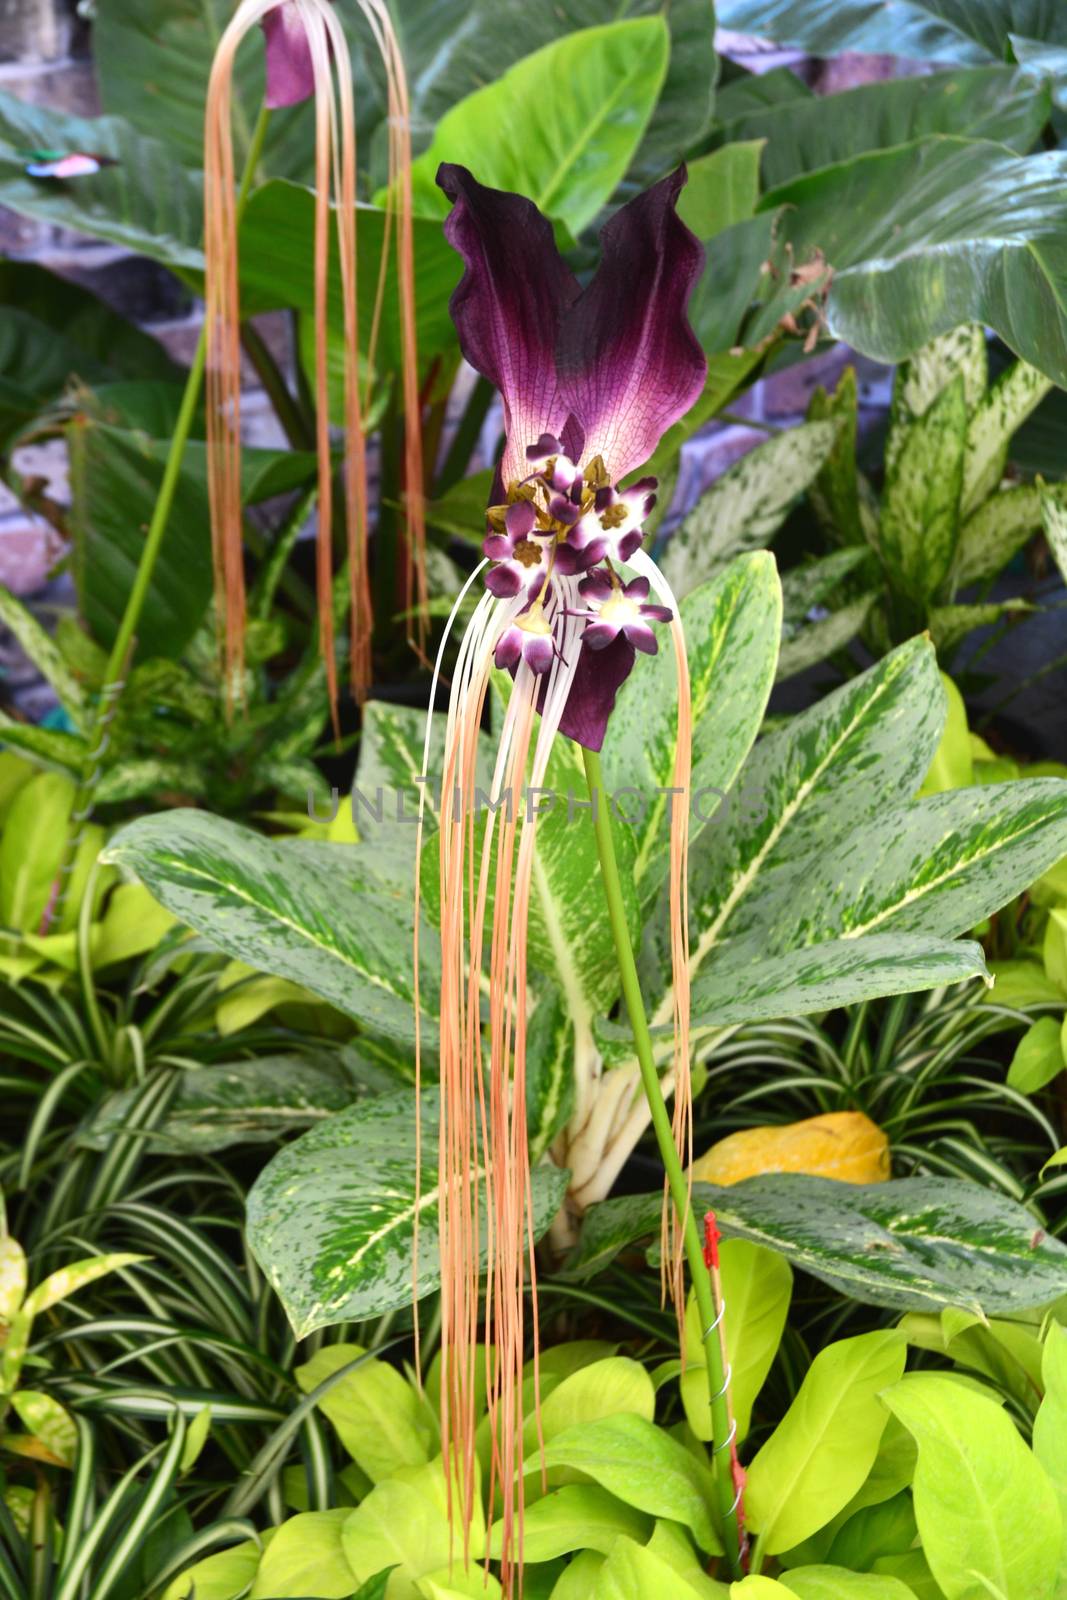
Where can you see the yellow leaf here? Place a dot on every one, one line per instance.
(842, 1144)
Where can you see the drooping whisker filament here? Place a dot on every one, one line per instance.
(590, 379)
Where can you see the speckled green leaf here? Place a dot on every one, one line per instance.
(65, 1281)
(911, 1244)
(949, 625)
(238, 1102)
(919, 523)
(814, 641)
(835, 491)
(934, 866)
(807, 586)
(746, 506)
(993, 533)
(753, 987)
(1004, 409)
(1054, 522)
(731, 627)
(571, 939)
(40, 647)
(332, 1217)
(934, 233)
(830, 769)
(550, 1069)
(48, 1421)
(313, 913)
(961, 352)
(595, 91)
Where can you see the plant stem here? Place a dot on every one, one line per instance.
(461, 449)
(676, 1178)
(298, 431)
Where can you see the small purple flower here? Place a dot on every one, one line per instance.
(622, 514)
(520, 554)
(620, 608)
(528, 638)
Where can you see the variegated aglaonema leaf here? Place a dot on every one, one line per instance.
(744, 509)
(732, 626)
(333, 1218)
(919, 524)
(318, 914)
(819, 846)
(914, 1243)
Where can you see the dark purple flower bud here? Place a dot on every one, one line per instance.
(564, 510)
(520, 519)
(290, 74)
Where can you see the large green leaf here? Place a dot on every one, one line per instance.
(332, 1217)
(1001, 103)
(746, 506)
(808, 861)
(316, 914)
(731, 626)
(912, 1244)
(148, 202)
(825, 1445)
(277, 258)
(54, 332)
(938, 30)
(641, 1465)
(934, 233)
(116, 475)
(977, 1489)
(594, 91)
(453, 47)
